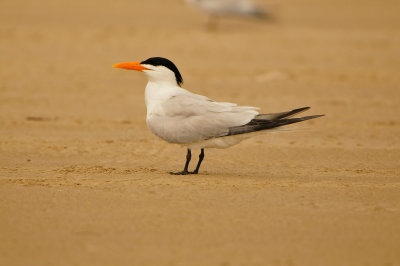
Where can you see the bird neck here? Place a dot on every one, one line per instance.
(156, 93)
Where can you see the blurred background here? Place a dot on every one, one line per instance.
(70, 120)
(56, 55)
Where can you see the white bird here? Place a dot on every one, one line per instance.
(195, 121)
(224, 8)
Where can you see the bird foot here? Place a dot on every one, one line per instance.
(184, 173)
(180, 173)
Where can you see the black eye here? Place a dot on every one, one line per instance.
(161, 61)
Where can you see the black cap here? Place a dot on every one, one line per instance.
(161, 61)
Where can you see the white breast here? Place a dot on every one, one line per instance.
(179, 116)
(155, 95)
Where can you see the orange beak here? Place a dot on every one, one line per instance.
(131, 66)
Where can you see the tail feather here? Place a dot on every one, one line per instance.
(281, 115)
(270, 121)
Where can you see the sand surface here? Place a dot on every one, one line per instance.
(84, 182)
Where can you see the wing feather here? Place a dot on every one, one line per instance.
(188, 118)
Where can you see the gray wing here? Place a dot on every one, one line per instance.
(189, 118)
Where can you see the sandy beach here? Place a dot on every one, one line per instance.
(84, 182)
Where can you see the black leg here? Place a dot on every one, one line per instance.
(201, 157)
(185, 170)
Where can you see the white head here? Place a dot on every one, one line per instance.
(157, 69)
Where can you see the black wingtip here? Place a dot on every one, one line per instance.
(310, 117)
(293, 112)
(302, 109)
(265, 124)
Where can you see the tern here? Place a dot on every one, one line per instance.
(223, 8)
(179, 116)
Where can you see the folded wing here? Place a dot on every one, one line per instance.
(188, 118)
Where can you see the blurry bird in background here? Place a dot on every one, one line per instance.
(228, 8)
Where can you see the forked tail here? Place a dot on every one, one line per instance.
(270, 121)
